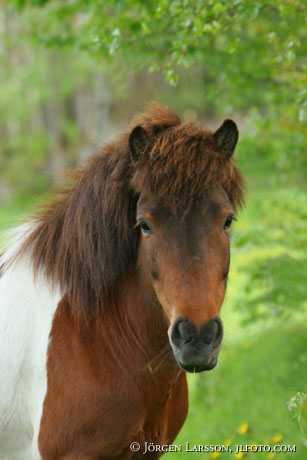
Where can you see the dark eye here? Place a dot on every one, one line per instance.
(145, 227)
(228, 222)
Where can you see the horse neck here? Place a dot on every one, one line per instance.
(129, 338)
(135, 329)
(139, 322)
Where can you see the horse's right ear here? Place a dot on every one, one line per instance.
(138, 140)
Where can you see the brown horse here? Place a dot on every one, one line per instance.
(135, 254)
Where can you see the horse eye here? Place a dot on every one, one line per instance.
(145, 227)
(228, 222)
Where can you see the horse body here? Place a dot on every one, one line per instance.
(86, 375)
(113, 292)
(117, 407)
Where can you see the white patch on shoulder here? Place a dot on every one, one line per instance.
(27, 306)
(14, 239)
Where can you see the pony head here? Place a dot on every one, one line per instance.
(188, 193)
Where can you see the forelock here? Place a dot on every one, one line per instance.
(181, 164)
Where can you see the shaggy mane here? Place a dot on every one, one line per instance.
(85, 240)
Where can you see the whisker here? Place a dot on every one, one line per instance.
(160, 358)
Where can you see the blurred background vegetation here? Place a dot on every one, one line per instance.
(72, 75)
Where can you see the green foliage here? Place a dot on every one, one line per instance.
(270, 263)
(226, 55)
(298, 408)
(240, 44)
(32, 99)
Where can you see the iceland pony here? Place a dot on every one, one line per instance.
(113, 291)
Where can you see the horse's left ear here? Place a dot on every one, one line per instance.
(138, 140)
(226, 137)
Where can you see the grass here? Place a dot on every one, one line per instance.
(264, 359)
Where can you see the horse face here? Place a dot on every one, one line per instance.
(187, 262)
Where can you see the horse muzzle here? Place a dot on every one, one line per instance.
(196, 350)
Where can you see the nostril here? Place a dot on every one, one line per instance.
(183, 332)
(219, 332)
(209, 337)
(212, 332)
(188, 340)
(176, 331)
